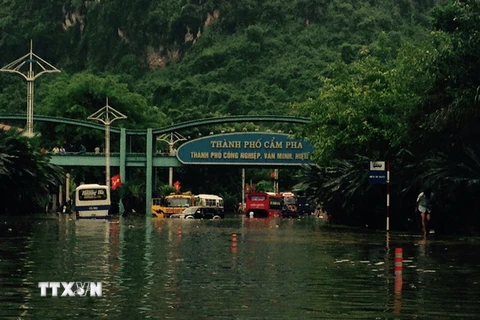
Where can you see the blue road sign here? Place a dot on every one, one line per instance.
(377, 173)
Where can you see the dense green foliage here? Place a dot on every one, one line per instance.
(194, 59)
(418, 111)
(26, 175)
(381, 80)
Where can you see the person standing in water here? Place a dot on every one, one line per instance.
(424, 207)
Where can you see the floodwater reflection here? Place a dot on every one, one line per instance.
(270, 269)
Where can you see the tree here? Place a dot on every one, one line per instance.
(26, 175)
(363, 112)
(80, 95)
(363, 107)
(446, 123)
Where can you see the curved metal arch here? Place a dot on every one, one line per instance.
(230, 119)
(75, 122)
(175, 127)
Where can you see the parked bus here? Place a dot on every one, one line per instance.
(263, 204)
(173, 203)
(92, 201)
(210, 200)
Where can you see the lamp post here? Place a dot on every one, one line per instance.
(275, 181)
(15, 66)
(171, 138)
(107, 115)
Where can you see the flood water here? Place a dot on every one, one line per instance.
(193, 269)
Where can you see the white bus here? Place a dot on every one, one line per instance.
(209, 200)
(92, 201)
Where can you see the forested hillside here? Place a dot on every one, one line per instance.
(383, 80)
(193, 59)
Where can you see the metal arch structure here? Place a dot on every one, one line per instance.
(167, 129)
(231, 119)
(40, 118)
(150, 133)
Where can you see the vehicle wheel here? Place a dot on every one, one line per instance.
(216, 217)
(189, 217)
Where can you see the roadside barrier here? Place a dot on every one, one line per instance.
(398, 260)
(234, 243)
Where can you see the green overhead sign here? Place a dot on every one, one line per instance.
(246, 149)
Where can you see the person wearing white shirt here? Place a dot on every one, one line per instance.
(424, 207)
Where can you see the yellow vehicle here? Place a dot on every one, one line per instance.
(173, 203)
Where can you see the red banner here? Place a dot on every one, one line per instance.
(116, 182)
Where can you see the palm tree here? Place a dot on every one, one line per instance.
(455, 178)
(340, 188)
(26, 175)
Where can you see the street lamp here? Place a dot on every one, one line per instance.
(275, 181)
(171, 138)
(15, 66)
(107, 115)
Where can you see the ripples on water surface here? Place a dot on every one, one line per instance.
(280, 269)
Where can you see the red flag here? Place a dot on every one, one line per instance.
(116, 182)
(176, 185)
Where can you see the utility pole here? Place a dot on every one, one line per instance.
(107, 115)
(243, 190)
(15, 66)
(171, 138)
(275, 181)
